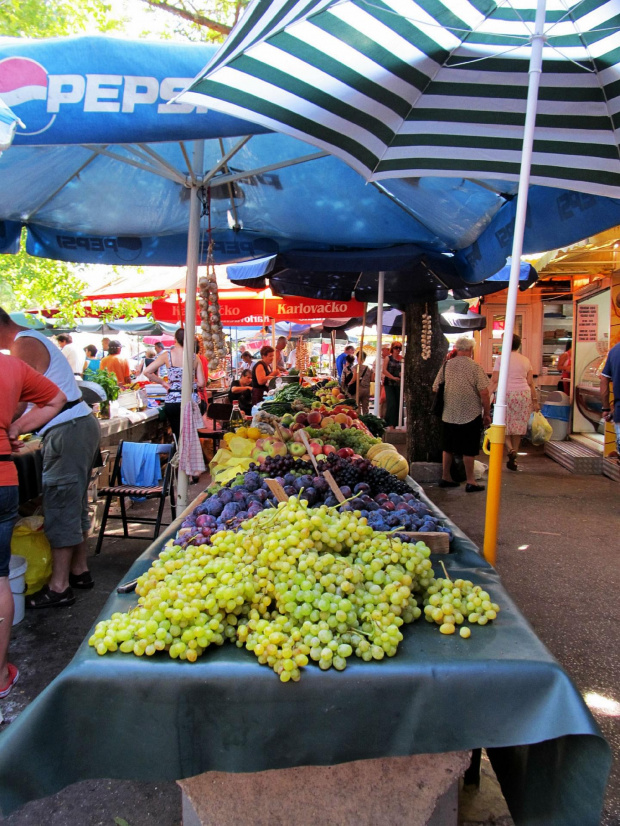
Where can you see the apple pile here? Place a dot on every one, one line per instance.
(327, 432)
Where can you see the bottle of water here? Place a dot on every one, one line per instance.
(236, 418)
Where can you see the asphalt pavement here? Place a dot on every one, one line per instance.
(558, 554)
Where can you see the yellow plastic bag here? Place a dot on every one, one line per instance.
(541, 429)
(29, 541)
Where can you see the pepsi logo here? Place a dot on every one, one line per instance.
(23, 87)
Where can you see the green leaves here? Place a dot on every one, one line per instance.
(107, 380)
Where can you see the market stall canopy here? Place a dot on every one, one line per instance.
(95, 177)
(409, 275)
(452, 319)
(435, 96)
(427, 89)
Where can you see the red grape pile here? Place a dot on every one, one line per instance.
(350, 472)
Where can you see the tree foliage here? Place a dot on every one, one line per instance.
(38, 18)
(28, 283)
(204, 21)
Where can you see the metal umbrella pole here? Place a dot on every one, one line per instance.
(191, 281)
(379, 360)
(497, 432)
(401, 402)
(360, 362)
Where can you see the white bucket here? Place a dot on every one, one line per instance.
(17, 581)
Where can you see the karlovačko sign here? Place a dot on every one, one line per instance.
(249, 311)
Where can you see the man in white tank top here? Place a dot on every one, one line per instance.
(70, 444)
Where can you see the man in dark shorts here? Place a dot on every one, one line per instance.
(70, 445)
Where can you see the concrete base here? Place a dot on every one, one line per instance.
(419, 790)
(425, 472)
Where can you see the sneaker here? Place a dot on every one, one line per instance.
(13, 678)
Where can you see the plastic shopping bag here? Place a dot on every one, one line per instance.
(29, 541)
(540, 429)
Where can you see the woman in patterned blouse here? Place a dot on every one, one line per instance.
(467, 407)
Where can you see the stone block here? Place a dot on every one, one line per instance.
(417, 790)
(425, 472)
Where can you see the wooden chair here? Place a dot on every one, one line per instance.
(219, 413)
(162, 491)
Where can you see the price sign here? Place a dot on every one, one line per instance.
(587, 322)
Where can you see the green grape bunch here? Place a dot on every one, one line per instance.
(293, 585)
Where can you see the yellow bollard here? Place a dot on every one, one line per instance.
(494, 447)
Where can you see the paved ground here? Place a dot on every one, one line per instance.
(558, 557)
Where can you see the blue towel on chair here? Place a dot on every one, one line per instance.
(140, 464)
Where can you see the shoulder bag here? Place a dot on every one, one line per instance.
(438, 400)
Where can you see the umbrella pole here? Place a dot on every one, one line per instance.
(497, 431)
(191, 280)
(401, 402)
(379, 360)
(333, 358)
(360, 350)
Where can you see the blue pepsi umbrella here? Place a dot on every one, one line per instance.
(8, 125)
(102, 173)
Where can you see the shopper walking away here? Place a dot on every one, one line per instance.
(173, 361)
(392, 368)
(69, 448)
(467, 408)
(18, 383)
(521, 398)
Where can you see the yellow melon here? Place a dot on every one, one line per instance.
(378, 448)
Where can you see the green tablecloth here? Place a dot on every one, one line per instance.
(160, 719)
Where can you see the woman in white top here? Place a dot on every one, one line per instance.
(521, 398)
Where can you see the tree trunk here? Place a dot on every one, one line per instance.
(423, 429)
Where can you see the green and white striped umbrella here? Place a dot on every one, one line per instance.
(398, 88)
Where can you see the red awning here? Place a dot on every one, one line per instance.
(250, 312)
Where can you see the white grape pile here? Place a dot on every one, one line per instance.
(450, 602)
(294, 584)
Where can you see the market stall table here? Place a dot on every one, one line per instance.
(156, 719)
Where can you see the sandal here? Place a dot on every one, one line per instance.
(469, 488)
(46, 598)
(13, 678)
(83, 580)
(511, 464)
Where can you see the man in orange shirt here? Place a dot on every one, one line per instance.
(113, 363)
(18, 383)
